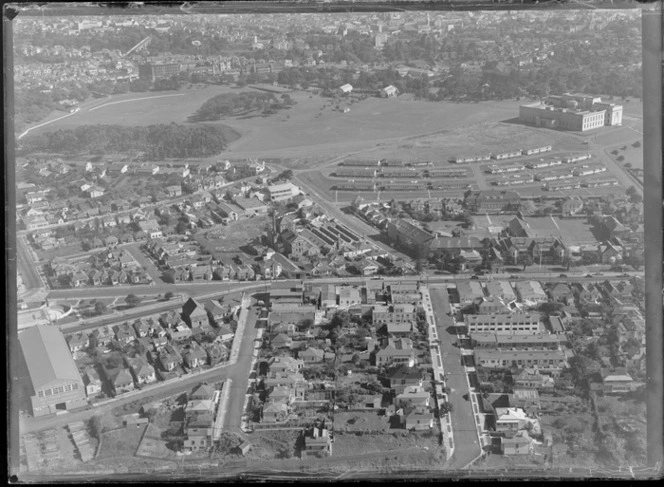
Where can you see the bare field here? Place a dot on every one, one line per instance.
(121, 442)
(349, 444)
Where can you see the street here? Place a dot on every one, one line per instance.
(466, 445)
(31, 278)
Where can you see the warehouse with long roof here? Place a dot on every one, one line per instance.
(56, 382)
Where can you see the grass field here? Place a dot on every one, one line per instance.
(233, 236)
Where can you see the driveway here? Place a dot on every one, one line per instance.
(466, 443)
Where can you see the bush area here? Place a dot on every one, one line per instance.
(231, 104)
(155, 141)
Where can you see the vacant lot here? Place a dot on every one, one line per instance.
(153, 446)
(232, 237)
(121, 442)
(349, 444)
(360, 421)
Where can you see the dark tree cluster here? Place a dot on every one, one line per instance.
(155, 141)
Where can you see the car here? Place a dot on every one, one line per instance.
(563, 275)
(514, 276)
(474, 277)
(589, 275)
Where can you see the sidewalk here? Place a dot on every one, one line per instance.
(444, 423)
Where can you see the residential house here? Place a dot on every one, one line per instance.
(120, 380)
(531, 378)
(92, 381)
(616, 381)
(510, 419)
(317, 443)
(311, 355)
(561, 292)
(142, 371)
(77, 342)
(519, 444)
(275, 412)
(281, 341)
(124, 333)
(403, 377)
(195, 356)
(419, 421)
(169, 358)
(397, 351)
(194, 314)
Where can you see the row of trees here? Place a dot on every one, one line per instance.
(157, 142)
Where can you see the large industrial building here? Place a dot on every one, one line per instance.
(56, 382)
(572, 112)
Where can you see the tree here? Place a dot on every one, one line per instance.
(96, 427)
(132, 300)
(445, 408)
(525, 260)
(100, 308)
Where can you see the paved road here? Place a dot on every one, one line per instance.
(31, 278)
(146, 262)
(466, 444)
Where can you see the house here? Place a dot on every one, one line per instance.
(174, 191)
(194, 314)
(169, 358)
(416, 396)
(317, 443)
(195, 356)
(518, 444)
(470, 292)
(397, 351)
(124, 333)
(142, 328)
(345, 89)
(77, 342)
(616, 381)
(215, 312)
(561, 292)
(397, 313)
(530, 291)
(103, 336)
(419, 421)
(531, 378)
(400, 329)
(281, 341)
(225, 333)
(493, 305)
(217, 353)
(510, 419)
(120, 380)
(275, 412)
(311, 355)
(389, 91)
(571, 205)
(403, 377)
(199, 432)
(92, 381)
(142, 371)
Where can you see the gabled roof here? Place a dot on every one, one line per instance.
(47, 356)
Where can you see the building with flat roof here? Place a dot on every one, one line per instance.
(281, 192)
(517, 323)
(492, 201)
(152, 72)
(56, 383)
(576, 112)
(551, 361)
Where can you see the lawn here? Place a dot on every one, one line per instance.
(360, 421)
